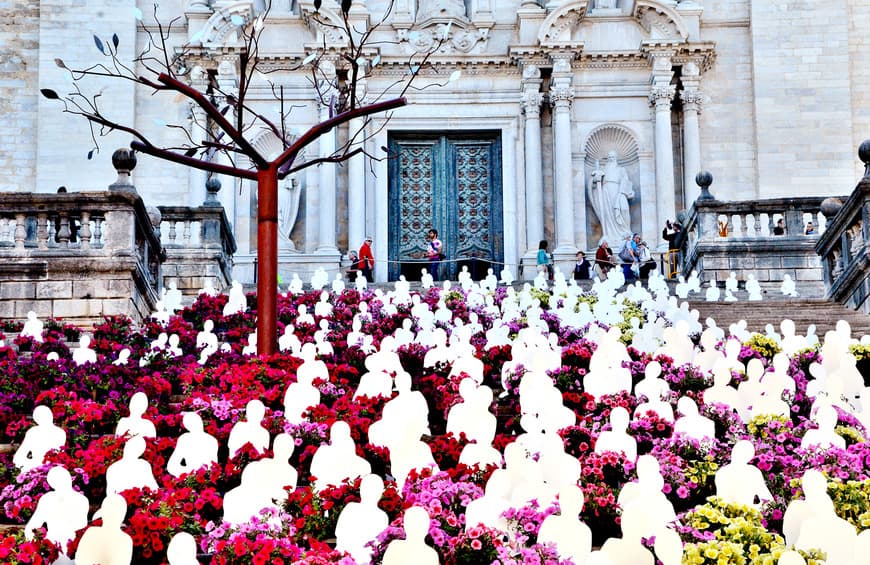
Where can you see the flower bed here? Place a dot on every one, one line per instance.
(87, 402)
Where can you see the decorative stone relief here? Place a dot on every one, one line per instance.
(561, 95)
(661, 96)
(462, 36)
(692, 99)
(660, 21)
(442, 8)
(560, 25)
(531, 102)
(222, 28)
(325, 22)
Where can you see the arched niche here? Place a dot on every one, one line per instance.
(222, 28)
(290, 194)
(596, 147)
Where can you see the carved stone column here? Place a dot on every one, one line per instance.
(661, 94)
(561, 96)
(327, 202)
(196, 178)
(356, 188)
(531, 106)
(692, 99)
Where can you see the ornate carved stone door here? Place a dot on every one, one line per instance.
(451, 182)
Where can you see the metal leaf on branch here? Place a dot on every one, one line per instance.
(99, 43)
(60, 63)
(115, 40)
(49, 93)
(345, 6)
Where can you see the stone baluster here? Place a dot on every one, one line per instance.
(531, 107)
(52, 232)
(186, 233)
(661, 94)
(42, 230)
(172, 233)
(97, 241)
(63, 232)
(770, 223)
(20, 231)
(756, 223)
(85, 232)
(561, 97)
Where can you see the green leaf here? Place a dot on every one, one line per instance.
(98, 42)
(49, 93)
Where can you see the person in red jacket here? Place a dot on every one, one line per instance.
(366, 259)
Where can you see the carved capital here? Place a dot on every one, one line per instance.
(661, 96)
(531, 102)
(692, 100)
(561, 96)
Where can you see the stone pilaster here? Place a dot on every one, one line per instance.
(692, 99)
(530, 103)
(356, 188)
(561, 97)
(327, 202)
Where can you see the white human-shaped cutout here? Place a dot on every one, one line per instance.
(788, 288)
(526, 478)
(276, 473)
(656, 390)
(302, 316)
(468, 364)
(731, 282)
(338, 284)
(472, 416)
(691, 423)
(289, 341)
(407, 411)
(707, 359)
(677, 343)
(682, 288)
(645, 498)
(753, 288)
(83, 353)
(480, 451)
(377, 381)
(250, 430)
(820, 527)
(173, 346)
(296, 284)
(862, 548)
(559, 469)
(194, 449)
(413, 548)
(360, 522)
(606, 374)
(534, 438)
(206, 340)
(507, 276)
(721, 392)
(33, 327)
(39, 440)
(62, 510)
(336, 461)
(182, 550)
(107, 544)
(161, 315)
(131, 471)
(694, 282)
(300, 396)
(135, 424)
(319, 279)
(738, 482)
(237, 301)
(712, 294)
(426, 280)
(750, 390)
(488, 510)
(123, 357)
(729, 296)
(251, 347)
(628, 550)
(407, 452)
(825, 435)
(791, 557)
(816, 500)
(208, 289)
(572, 538)
(172, 298)
(323, 308)
(791, 341)
(617, 439)
(249, 498)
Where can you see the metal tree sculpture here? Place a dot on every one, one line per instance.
(161, 67)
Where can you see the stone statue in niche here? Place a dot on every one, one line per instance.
(610, 191)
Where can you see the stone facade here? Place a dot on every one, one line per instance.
(769, 96)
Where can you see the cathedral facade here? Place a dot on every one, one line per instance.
(566, 121)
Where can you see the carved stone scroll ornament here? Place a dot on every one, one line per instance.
(692, 99)
(661, 96)
(531, 102)
(450, 36)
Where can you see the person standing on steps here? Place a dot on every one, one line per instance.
(367, 259)
(544, 261)
(434, 252)
(582, 267)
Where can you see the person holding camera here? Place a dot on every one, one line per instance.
(434, 252)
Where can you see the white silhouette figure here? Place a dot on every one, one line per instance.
(107, 544)
(62, 510)
(39, 440)
(33, 327)
(360, 522)
(250, 430)
(194, 449)
(135, 424)
(130, 471)
(413, 548)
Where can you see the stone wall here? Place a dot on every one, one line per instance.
(19, 54)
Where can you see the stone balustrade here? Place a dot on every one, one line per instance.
(77, 256)
(843, 247)
(720, 237)
(199, 246)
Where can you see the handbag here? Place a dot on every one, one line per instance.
(625, 254)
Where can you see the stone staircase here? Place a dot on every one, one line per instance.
(774, 309)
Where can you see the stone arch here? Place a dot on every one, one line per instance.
(221, 28)
(559, 25)
(659, 20)
(325, 22)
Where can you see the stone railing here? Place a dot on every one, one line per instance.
(843, 247)
(199, 246)
(720, 237)
(78, 256)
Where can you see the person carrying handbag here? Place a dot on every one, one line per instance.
(435, 253)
